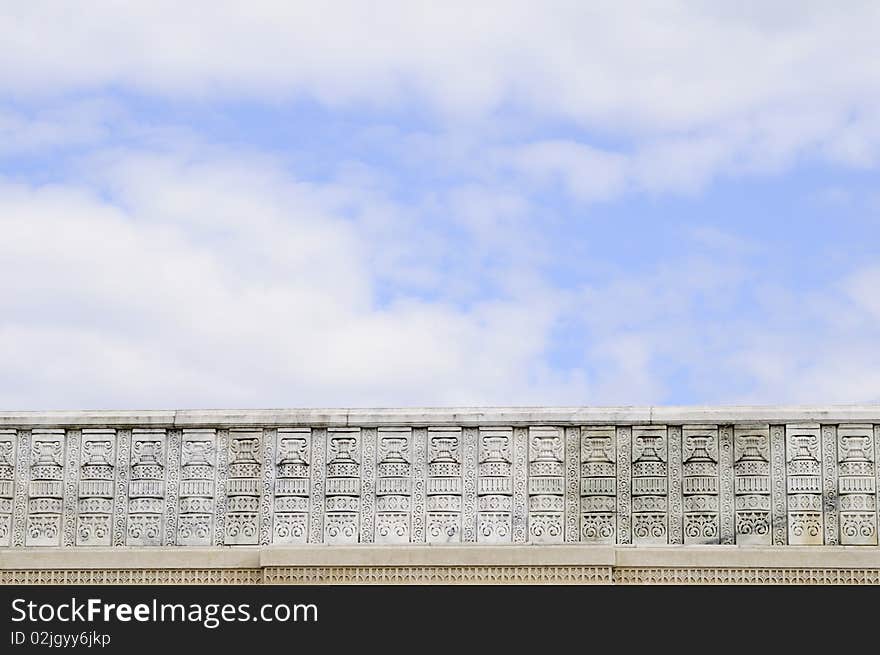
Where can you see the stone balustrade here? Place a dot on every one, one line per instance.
(734, 476)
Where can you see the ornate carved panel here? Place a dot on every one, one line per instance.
(94, 521)
(444, 487)
(343, 495)
(857, 485)
(649, 485)
(495, 486)
(7, 485)
(394, 486)
(546, 485)
(146, 491)
(804, 484)
(751, 455)
(46, 488)
(598, 488)
(292, 486)
(243, 487)
(702, 523)
(198, 457)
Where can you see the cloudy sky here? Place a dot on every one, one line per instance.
(493, 203)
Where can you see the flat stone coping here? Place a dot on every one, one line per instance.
(439, 417)
(391, 556)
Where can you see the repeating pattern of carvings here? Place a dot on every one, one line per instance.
(267, 498)
(572, 484)
(123, 473)
(19, 510)
(469, 485)
(316, 514)
(624, 485)
(520, 517)
(676, 499)
(829, 481)
(71, 445)
(445, 575)
(749, 484)
(420, 446)
(725, 473)
(779, 518)
(437, 574)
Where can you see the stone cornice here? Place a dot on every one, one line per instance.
(445, 416)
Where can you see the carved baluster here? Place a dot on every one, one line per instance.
(751, 445)
(598, 488)
(243, 487)
(444, 486)
(857, 485)
(700, 485)
(46, 488)
(495, 486)
(394, 486)
(343, 481)
(94, 519)
(803, 484)
(292, 486)
(197, 485)
(649, 478)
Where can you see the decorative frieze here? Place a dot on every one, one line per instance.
(101, 484)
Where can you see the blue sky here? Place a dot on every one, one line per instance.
(507, 204)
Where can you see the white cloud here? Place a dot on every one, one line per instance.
(222, 281)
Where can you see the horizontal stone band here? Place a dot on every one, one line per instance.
(744, 476)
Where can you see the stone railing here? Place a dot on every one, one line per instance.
(771, 476)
